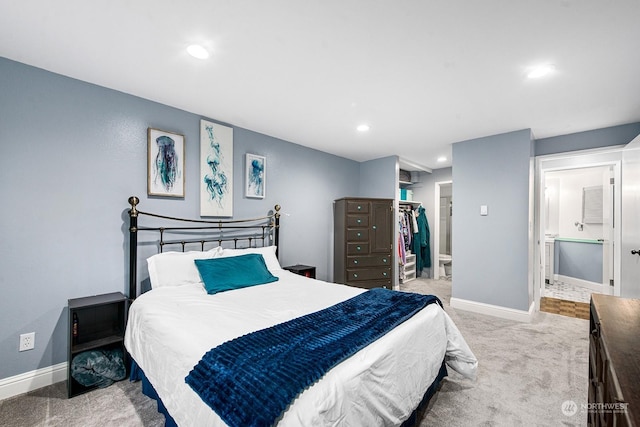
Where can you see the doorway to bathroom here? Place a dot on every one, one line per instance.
(442, 246)
(578, 232)
(578, 209)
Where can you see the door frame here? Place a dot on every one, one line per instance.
(611, 156)
(436, 229)
(629, 262)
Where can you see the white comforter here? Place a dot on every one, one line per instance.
(171, 328)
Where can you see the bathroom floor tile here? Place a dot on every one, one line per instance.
(566, 291)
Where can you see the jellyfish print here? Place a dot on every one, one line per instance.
(166, 163)
(215, 179)
(255, 176)
(216, 169)
(216, 186)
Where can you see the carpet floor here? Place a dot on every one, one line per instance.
(526, 372)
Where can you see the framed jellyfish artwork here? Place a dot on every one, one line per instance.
(216, 169)
(165, 163)
(255, 175)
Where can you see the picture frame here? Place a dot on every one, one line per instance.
(165, 163)
(255, 176)
(216, 169)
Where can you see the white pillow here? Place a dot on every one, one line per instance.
(267, 252)
(177, 268)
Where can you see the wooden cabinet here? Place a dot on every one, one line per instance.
(363, 242)
(100, 324)
(614, 362)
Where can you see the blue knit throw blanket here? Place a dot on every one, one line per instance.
(251, 380)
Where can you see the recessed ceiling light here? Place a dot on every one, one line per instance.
(540, 71)
(198, 51)
(363, 128)
(442, 159)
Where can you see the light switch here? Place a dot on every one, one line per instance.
(483, 210)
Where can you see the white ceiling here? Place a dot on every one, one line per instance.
(422, 73)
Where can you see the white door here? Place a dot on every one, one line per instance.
(608, 231)
(630, 247)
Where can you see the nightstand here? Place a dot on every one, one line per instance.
(302, 270)
(101, 322)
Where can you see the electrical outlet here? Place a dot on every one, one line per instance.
(27, 341)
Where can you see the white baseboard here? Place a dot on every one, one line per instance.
(29, 381)
(494, 310)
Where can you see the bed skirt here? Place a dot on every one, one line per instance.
(433, 388)
(137, 374)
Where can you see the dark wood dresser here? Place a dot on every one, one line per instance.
(363, 242)
(614, 362)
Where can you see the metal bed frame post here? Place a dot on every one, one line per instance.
(133, 247)
(276, 233)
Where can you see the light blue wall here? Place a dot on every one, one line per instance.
(491, 253)
(72, 153)
(379, 178)
(597, 138)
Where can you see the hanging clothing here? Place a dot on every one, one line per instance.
(406, 218)
(402, 256)
(421, 242)
(404, 230)
(414, 223)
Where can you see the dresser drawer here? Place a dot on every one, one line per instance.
(370, 284)
(358, 234)
(377, 273)
(357, 220)
(368, 261)
(357, 248)
(356, 206)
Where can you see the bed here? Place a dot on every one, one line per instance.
(173, 327)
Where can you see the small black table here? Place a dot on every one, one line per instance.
(302, 270)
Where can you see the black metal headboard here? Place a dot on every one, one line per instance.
(241, 232)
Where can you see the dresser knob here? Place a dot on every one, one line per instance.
(359, 207)
(355, 261)
(358, 248)
(359, 221)
(384, 274)
(355, 275)
(359, 234)
(384, 260)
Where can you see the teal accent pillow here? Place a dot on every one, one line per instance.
(227, 273)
